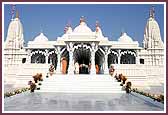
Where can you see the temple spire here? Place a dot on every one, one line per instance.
(152, 12)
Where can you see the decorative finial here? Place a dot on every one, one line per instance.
(152, 12)
(97, 26)
(67, 26)
(41, 29)
(122, 31)
(17, 14)
(13, 10)
(82, 19)
(65, 29)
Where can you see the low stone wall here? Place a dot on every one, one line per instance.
(21, 74)
(142, 75)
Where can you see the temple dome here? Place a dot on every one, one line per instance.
(124, 38)
(69, 30)
(82, 28)
(98, 31)
(41, 38)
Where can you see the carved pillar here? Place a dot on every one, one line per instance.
(93, 50)
(137, 57)
(58, 69)
(29, 57)
(119, 56)
(46, 58)
(106, 70)
(71, 64)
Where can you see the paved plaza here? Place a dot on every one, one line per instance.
(39, 101)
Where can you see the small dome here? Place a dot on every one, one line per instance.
(124, 38)
(82, 28)
(98, 32)
(69, 30)
(41, 38)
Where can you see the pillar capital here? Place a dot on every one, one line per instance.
(70, 46)
(106, 49)
(94, 47)
(46, 54)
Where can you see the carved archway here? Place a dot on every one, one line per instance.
(82, 56)
(128, 57)
(38, 56)
(112, 57)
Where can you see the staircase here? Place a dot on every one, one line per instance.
(80, 84)
(26, 71)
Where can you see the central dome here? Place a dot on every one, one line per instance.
(41, 38)
(82, 28)
(124, 38)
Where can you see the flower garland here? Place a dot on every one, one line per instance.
(159, 98)
(17, 91)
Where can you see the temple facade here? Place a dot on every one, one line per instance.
(84, 51)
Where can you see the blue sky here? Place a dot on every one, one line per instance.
(113, 19)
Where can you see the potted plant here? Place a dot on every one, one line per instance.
(128, 87)
(32, 86)
(119, 77)
(123, 79)
(51, 70)
(47, 75)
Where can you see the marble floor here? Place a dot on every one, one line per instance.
(39, 101)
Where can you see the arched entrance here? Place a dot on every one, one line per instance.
(99, 59)
(64, 64)
(128, 57)
(82, 58)
(64, 61)
(112, 57)
(52, 58)
(38, 56)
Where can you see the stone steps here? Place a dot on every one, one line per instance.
(80, 84)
